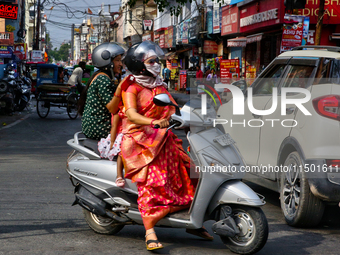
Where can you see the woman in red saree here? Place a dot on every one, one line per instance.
(153, 158)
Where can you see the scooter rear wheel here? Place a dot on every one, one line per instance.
(102, 225)
(253, 226)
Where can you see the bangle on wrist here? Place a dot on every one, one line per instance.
(117, 96)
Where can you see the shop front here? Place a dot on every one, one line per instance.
(260, 23)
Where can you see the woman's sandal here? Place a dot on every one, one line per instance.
(152, 248)
(152, 241)
(120, 182)
(201, 232)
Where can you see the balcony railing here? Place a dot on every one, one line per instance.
(6, 38)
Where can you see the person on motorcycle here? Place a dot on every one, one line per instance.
(153, 158)
(77, 75)
(102, 96)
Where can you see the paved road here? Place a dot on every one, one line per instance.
(37, 216)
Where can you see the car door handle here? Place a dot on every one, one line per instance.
(290, 110)
(257, 116)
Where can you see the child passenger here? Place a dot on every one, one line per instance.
(110, 147)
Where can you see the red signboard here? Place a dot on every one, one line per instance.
(162, 41)
(332, 11)
(230, 20)
(8, 11)
(183, 79)
(210, 47)
(292, 32)
(20, 50)
(260, 14)
(229, 69)
(89, 56)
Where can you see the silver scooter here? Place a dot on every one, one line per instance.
(220, 194)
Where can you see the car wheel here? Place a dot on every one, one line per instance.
(299, 206)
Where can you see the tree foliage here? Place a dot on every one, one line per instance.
(61, 54)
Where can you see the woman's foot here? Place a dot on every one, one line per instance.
(151, 240)
(120, 182)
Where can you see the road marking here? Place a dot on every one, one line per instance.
(16, 122)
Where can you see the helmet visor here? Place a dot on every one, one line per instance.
(146, 50)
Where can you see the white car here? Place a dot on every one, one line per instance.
(295, 154)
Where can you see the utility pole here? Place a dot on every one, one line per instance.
(72, 42)
(320, 22)
(37, 35)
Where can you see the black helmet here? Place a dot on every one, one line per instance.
(102, 54)
(135, 56)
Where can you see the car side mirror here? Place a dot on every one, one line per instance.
(164, 100)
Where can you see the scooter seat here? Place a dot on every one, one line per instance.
(92, 145)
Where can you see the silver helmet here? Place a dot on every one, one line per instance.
(104, 53)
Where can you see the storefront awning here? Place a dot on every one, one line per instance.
(237, 42)
(254, 38)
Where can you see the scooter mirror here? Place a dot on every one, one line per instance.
(164, 100)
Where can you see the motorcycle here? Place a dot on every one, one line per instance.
(22, 92)
(7, 86)
(220, 195)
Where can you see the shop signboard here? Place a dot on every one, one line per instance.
(8, 11)
(292, 32)
(6, 51)
(229, 69)
(183, 79)
(216, 19)
(305, 30)
(210, 47)
(260, 14)
(147, 37)
(185, 32)
(230, 20)
(210, 20)
(36, 55)
(332, 11)
(161, 40)
(166, 38)
(194, 28)
(20, 50)
(171, 36)
(147, 25)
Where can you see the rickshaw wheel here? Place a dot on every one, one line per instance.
(43, 108)
(72, 106)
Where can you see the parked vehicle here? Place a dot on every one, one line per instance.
(220, 196)
(22, 93)
(7, 86)
(43, 74)
(309, 150)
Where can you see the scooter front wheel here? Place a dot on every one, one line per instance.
(253, 227)
(102, 225)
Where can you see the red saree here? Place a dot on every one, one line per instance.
(154, 159)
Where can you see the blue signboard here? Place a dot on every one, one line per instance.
(6, 51)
